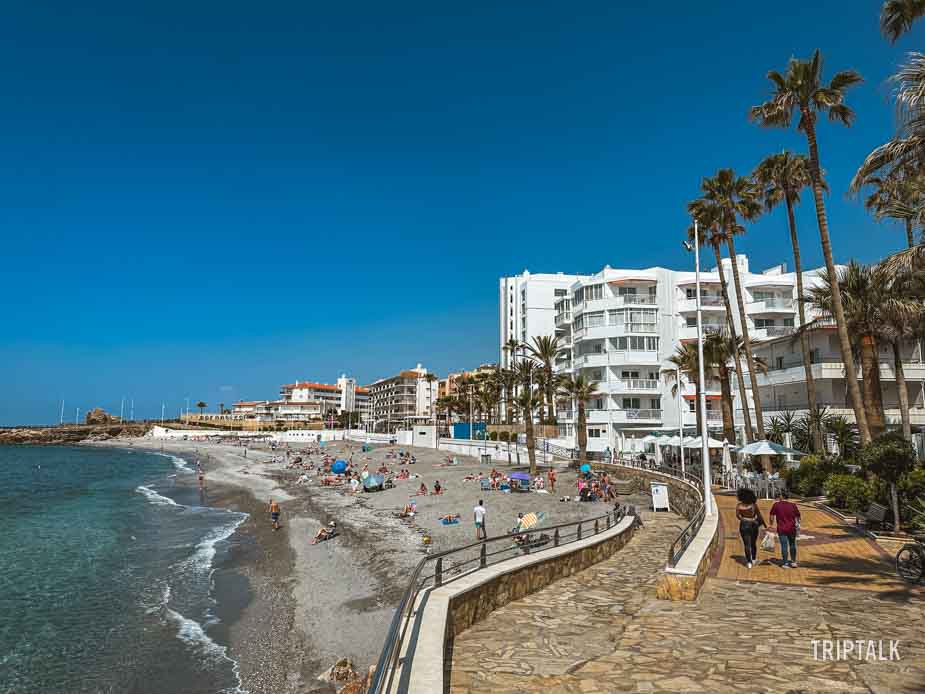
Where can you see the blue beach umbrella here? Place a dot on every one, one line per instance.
(586, 468)
(339, 467)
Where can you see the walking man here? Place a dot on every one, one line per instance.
(787, 515)
(551, 476)
(479, 514)
(274, 514)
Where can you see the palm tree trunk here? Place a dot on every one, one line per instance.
(531, 441)
(749, 434)
(903, 393)
(894, 497)
(582, 434)
(725, 388)
(844, 344)
(747, 343)
(815, 429)
(508, 409)
(910, 239)
(873, 394)
(549, 394)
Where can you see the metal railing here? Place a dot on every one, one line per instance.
(638, 299)
(684, 539)
(642, 414)
(439, 569)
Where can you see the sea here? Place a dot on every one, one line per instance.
(107, 573)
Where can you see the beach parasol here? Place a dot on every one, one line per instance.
(649, 438)
(696, 443)
(586, 468)
(339, 467)
(768, 448)
(727, 461)
(530, 519)
(658, 455)
(520, 476)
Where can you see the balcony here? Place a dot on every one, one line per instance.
(637, 415)
(633, 329)
(690, 332)
(830, 366)
(585, 360)
(765, 306)
(563, 318)
(709, 302)
(771, 332)
(635, 300)
(634, 385)
(633, 358)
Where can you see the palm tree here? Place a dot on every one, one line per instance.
(580, 390)
(545, 349)
(719, 350)
(903, 316)
(862, 290)
(686, 361)
(802, 90)
(898, 196)
(897, 16)
(201, 405)
(709, 215)
(735, 197)
(511, 347)
(527, 401)
(781, 178)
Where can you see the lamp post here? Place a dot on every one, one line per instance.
(704, 441)
(680, 420)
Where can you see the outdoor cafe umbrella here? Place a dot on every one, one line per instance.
(649, 438)
(658, 454)
(727, 460)
(768, 448)
(696, 443)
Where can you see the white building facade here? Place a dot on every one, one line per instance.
(620, 327)
(527, 306)
(403, 400)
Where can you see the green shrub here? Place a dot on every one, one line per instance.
(848, 492)
(493, 436)
(911, 492)
(808, 479)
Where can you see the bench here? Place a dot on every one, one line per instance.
(876, 514)
(623, 487)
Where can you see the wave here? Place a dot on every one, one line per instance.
(154, 497)
(205, 550)
(177, 461)
(191, 633)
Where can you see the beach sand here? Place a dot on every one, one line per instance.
(306, 606)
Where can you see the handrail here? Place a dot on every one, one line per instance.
(390, 656)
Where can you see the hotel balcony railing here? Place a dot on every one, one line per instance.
(562, 318)
(643, 414)
(774, 303)
(638, 384)
(778, 330)
(638, 299)
(627, 328)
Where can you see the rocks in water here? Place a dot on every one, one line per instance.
(70, 434)
(99, 416)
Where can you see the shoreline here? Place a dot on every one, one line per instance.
(309, 606)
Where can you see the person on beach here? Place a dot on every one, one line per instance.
(479, 515)
(551, 476)
(437, 488)
(750, 521)
(274, 514)
(422, 490)
(325, 533)
(787, 515)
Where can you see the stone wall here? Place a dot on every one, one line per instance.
(686, 586)
(683, 498)
(473, 605)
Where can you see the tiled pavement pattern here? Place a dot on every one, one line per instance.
(603, 630)
(830, 554)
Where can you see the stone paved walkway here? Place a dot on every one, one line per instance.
(603, 630)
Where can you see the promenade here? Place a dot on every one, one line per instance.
(603, 630)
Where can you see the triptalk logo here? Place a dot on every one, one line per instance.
(858, 649)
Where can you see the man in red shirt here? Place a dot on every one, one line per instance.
(787, 515)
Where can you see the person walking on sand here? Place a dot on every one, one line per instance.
(787, 515)
(552, 480)
(479, 514)
(750, 521)
(274, 514)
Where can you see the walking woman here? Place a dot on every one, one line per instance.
(750, 521)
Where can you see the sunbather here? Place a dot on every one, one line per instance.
(325, 533)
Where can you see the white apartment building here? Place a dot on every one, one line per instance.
(526, 306)
(343, 396)
(620, 327)
(402, 400)
(783, 387)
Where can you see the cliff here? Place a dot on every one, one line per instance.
(70, 434)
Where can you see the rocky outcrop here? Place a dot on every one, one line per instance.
(71, 434)
(99, 416)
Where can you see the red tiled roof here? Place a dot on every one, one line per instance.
(246, 403)
(314, 386)
(360, 389)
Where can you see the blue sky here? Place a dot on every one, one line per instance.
(209, 199)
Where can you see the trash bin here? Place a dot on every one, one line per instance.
(486, 458)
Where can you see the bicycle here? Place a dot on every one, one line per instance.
(910, 561)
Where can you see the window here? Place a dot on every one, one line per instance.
(629, 374)
(691, 292)
(595, 433)
(560, 292)
(651, 344)
(691, 406)
(627, 291)
(615, 317)
(594, 292)
(691, 321)
(596, 404)
(578, 323)
(760, 295)
(594, 320)
(655, 403)
(630, 403)
(779, 363)
(764, 322)
(596, 375)
(578, 296)
(788, 322)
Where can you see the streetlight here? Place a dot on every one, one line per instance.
(680, 420)
(704, 441)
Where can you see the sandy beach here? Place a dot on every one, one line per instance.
(306, 606)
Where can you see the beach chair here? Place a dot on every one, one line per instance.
(485, 485)
(520, 485)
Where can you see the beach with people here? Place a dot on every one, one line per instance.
(354, 519)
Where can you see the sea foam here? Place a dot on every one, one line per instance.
(191, 632)
(205, 550)
(154, 497)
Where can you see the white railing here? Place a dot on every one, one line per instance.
(639, 384)
(778, 330)
(643, 299)
(643, 414)
(773, 303)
